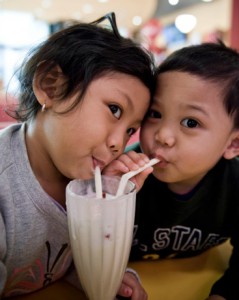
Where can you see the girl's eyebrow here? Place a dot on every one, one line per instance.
(129, 102)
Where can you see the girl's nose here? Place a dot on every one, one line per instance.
(165, 137)
(116, 142)
(114, 148)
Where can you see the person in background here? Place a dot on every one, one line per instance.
(190, 202)
(84, 92)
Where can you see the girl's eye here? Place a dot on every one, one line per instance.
(153, 114)
(131, 131)
(116, 110)
(190, 123)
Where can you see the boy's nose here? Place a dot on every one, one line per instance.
(165, 137)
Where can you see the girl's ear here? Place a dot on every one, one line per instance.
(47, 85)
(233, 148)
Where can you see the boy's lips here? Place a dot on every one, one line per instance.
(161, 158)
(162, 161)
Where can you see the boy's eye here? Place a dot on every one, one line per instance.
(153, 114)
(116, 110)
(190, 123)
(131, 131)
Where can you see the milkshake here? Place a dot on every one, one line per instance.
(101, 231)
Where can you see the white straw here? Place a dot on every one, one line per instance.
(98, 182)
(127, 176)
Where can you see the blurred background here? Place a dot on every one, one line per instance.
(162, 26)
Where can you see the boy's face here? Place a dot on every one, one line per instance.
(187, 127)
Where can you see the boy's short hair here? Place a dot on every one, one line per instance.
(214, 62)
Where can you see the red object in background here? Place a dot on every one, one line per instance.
(234, 39)
(151, 29)
(6, 119)
(134, 138)
(151, 32)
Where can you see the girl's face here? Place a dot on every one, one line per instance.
(96, 131)
(188, 128)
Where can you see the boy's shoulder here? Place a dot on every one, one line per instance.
(233, 164)
(227, 170)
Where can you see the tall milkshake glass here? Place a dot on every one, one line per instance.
(101, 231)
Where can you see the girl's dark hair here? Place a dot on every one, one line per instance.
(214, 62)
(84, 52)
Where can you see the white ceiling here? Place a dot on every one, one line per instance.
(58, 10)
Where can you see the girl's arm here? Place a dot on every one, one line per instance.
(129, 161)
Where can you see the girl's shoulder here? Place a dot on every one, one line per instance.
(7, 137)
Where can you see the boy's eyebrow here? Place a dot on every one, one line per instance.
(197, 108)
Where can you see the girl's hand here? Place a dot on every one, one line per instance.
(132, 288)
(130, 161)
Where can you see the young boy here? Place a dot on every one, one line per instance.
(190, 202)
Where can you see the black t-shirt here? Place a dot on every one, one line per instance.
(169, 225)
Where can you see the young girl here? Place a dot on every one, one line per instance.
(84, 92)
(190, 202)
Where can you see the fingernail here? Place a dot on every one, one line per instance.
(125, 169)
(128, 292)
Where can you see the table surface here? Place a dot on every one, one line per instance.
(168, 279)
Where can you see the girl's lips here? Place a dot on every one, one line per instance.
(97, 162)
